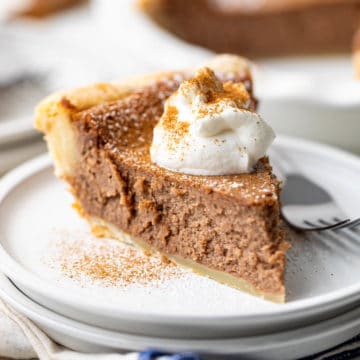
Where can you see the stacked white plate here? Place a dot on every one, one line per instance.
(188, 312)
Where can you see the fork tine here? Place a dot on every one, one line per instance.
(306, 222)
(338, 223)
(323, 222)
(353, 223)
(335, 225)
(325, 225)
(346, 224)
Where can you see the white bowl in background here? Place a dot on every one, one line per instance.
(317, 98)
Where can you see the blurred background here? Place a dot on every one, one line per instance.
(303, 53)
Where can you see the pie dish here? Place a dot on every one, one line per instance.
(225, 227)
(260, 28)
(41, 8)
(356, 54)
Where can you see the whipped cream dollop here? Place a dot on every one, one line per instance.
(208, 129)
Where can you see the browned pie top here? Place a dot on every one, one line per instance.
(124, 129)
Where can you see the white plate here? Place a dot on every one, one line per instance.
(322, 277)
(283, 345)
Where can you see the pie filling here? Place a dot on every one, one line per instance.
(225, 227)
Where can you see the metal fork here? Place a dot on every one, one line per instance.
(22, 78)
(306, 206)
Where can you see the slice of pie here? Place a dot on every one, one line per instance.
(226, 227)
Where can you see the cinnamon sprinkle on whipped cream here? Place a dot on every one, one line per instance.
(207, 128)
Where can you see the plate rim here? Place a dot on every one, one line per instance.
(39, 313)
(17, 273)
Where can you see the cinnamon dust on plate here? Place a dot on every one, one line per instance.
(108, 263)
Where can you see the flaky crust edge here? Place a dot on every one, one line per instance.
(53, 114)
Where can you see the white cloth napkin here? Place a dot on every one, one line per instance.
(21, 339)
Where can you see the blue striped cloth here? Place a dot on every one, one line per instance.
(350, 350)
(154, 354)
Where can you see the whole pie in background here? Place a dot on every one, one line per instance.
(260, 27)
(38, 8)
